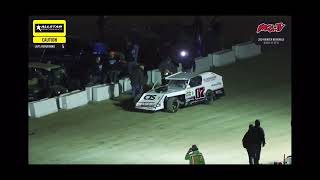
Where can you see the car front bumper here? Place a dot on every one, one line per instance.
(148, 108)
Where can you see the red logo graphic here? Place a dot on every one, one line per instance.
(200, 93)
(270, 28)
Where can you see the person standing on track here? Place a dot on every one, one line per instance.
(247, 143)
(137, 80)
(258, 140)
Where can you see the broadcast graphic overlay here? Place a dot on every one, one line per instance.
(49, 33)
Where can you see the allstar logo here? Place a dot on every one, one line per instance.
(49, 27)
(38, 28)
(49, 32)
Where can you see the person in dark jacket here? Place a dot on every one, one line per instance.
(96, 75)
(135, 51)
(247, 142)
(168, 64)
(258, 140)
(167, 67)
(214, 36)
(137, 80)
(130, 57)
(113, 67)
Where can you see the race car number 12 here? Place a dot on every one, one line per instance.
(200, 93)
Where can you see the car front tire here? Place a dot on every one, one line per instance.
(172, 105)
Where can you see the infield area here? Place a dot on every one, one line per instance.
(105, 133)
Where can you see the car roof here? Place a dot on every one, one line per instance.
(187, 76)
(181, 76)
(44, 66)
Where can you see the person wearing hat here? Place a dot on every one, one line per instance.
(194, 155)
(258, 140)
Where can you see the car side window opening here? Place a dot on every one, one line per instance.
(196, 81)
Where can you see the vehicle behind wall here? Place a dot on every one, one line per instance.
(46, 81)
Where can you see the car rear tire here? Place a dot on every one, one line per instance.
(209, 97)
(172, 105)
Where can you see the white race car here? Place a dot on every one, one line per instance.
(183, 89)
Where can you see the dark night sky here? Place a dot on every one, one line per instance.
(86, 27)
(235, 29)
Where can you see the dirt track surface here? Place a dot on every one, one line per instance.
(104, 133)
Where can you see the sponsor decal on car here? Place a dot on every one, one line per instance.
(209, 79)
(150, 97)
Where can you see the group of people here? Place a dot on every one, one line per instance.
(252, 141)
(108, 69)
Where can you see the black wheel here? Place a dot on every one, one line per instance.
(172, 105)
(210, 96)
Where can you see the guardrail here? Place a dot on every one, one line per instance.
(43, 107)
(246, 50)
